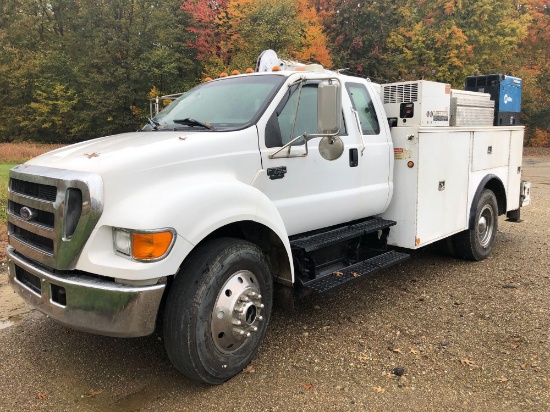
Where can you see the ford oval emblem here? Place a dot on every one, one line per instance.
(27, 213)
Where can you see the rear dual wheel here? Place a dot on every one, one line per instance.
(217, 310)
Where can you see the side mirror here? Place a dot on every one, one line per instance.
(329, 108)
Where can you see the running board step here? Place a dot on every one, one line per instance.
(332, 237)
(341, 277)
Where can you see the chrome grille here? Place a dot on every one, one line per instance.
(44, 218)
(39, 214)
(36, 190)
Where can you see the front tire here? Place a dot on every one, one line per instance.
(477, 243)
(218, 309)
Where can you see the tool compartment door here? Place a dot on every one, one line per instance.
(443, 171)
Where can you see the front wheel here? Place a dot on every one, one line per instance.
(217, 310)
(477, 243)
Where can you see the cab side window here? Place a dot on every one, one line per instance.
(279, 127)
(364, 106)
(306, 117)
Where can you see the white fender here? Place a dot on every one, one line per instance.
(202, 206)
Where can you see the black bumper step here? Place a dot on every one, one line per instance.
(356, 271)
(332, 237)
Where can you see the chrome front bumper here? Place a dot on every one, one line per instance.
(86, 303)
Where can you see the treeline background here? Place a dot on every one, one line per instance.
(72, 70)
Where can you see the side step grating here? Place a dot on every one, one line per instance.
(318, 241)
(356, 271)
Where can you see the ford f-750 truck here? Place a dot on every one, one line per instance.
(292, 179)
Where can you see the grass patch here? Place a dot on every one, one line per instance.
(4, 173)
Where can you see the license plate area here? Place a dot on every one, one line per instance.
(28, 280)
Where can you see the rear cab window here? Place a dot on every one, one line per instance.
(364, 106)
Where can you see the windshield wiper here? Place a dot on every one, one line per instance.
(154, 125)
(192, 122)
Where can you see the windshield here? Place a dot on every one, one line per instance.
(221, 105)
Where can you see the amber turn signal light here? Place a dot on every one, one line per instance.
(151, 246)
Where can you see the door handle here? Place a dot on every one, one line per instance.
(353, 157)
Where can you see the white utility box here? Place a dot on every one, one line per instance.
(437, 172)
(418, 103)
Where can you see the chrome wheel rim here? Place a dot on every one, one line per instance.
(237, 312)
(485, 225)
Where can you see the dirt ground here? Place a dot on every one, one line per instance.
(467, 337)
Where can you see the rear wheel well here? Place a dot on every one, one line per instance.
(496, 186)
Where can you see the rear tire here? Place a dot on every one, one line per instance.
(477, 243)
(217, 310)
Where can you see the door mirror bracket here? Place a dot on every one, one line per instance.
(329, 115)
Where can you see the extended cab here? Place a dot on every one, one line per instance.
(287, 181)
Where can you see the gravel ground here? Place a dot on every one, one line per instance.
(464, 336)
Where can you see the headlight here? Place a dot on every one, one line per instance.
(147, 246)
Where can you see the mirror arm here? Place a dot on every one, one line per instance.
(289, 144)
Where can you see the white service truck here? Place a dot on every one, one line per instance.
(292, 179)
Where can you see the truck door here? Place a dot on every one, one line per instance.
(311, 192)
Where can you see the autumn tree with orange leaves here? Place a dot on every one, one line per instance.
(532, 63)
(231, 34)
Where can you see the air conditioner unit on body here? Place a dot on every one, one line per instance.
(417, 103)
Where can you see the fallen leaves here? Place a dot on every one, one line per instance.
(502, 379)
(91, 394)
(355, 274)
(397, 350)
(413, 351)
(249, 369)
(338, 274)
(467, 361)
(379, 389)
(42, 395)
(362, 357)
(91, 155)
(308, 386)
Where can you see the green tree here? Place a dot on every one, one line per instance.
(74, 69)
(446, 40)
(358, 33)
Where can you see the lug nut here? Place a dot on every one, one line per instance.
(260, 318)
(254, 329)
(237, 322)
(244, 299)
